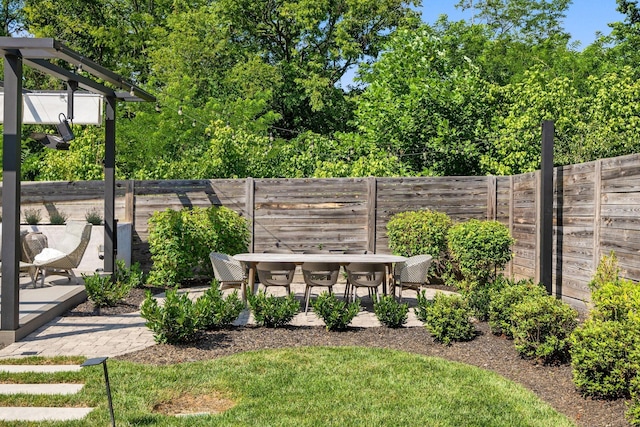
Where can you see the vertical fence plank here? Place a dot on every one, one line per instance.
(597, 208)
(250, 209)
(511, 221)
(372, 203)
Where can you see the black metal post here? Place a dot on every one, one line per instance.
(110, 186)
(106, 382)
(103, 361)
(10, 305)
(546, 206)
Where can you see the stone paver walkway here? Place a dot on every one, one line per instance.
(108, 336)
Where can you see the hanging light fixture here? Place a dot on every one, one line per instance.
(64, 129)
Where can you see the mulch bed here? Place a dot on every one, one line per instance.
(553, 384)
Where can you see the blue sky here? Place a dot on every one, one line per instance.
(584, 17)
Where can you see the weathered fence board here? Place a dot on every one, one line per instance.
(596, 210)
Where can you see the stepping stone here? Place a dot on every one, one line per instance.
(42, 413)
(40, 388)
(14, 369)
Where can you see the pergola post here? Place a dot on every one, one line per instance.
(110, 226)
(9, 307)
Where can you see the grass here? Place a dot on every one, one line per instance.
(313, 386)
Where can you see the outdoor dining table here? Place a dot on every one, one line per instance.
(252, 259)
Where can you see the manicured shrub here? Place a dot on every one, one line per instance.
(272, 311)
(180, 241)
(542, 326)
(607, 271)
(58, 218)
(93, 216)
(448, 319)
(421, 309)
(421, 232)
(600, 357)
(32, 216)
(478, 296)
(175, 321)
(504, 298)
(479, 249)
(133, 276)
(616, 300)
(335, 313)
(214, 310)
(103, 291)
(390, 312)
(633, 414)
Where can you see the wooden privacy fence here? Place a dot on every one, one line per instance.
(596, 208)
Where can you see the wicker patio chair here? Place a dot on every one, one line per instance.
(68, 253)
(412, 274)
(229, 272)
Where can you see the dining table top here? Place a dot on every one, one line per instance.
(299, 258)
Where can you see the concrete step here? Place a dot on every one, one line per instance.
(63, 389)
(15, 369)
(42, 413)
(36, 414)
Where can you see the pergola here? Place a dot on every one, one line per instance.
(38, 53)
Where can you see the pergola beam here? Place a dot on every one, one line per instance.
(47, 67)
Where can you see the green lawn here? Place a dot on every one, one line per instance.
(315, 386)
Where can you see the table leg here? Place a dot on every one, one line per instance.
(252, 277)
(392, 285)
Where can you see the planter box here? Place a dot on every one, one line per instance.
(91, 261)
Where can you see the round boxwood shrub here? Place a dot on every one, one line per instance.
(542, 326)
(180, 242)
(600, 357)
(421, 232)
(448, 319)
(479, 249)
(633, 414)
(504, 298)
(617, 300)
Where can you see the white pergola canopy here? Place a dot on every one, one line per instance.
(45, 107)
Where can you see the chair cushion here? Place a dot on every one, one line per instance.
(48, 255)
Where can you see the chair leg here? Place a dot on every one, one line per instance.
(307, 295)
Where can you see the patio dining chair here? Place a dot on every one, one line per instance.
(229, 272)
(67, 255)
(364, 275)
(320, 274)
(347, 287)
(276, 274)
(412, 273)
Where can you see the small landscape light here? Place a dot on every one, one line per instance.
(103, 361)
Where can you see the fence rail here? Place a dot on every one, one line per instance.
(596, 210)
